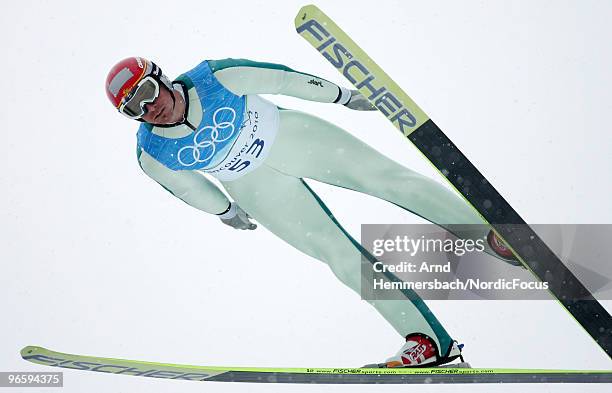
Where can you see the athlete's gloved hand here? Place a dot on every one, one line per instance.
(358, 102)
(237, 218)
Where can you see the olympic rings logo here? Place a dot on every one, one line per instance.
(204, 150)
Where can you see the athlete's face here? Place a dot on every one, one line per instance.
(161, 111)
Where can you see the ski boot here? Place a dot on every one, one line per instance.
(421, 351)
(500, 249)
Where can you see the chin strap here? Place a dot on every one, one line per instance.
(180, 88)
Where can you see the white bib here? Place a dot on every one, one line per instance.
(254, 142)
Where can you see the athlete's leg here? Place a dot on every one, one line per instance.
(291, 210)
(309, 147)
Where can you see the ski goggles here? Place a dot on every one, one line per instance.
(145, 92)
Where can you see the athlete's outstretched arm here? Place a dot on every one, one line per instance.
(243, 76)
(189, 186)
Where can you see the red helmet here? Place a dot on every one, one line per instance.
(126, 74)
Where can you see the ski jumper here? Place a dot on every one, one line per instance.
(262, 154)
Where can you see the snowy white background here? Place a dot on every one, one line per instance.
(98, 259)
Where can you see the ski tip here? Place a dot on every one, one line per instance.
(305, 12)
(30, 350)
(309, 7)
